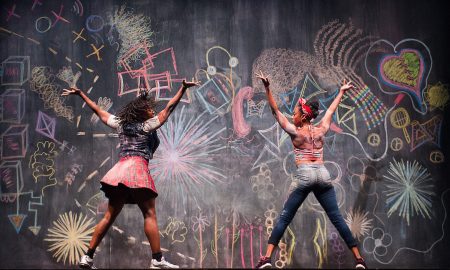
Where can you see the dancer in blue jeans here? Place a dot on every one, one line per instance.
(311, 175)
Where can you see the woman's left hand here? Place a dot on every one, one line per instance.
(346, 85)
(71, 91)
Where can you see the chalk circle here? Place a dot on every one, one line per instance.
(211, 70)
(265, 180)
(270, 214)
(334, 236)
(270, 187)
(280, 264)
(400, 118)
(94, 23)
(374, 139)
(336, 243)
(335, 170)
(261, 187)
(396, 144)
(233, 62)
(39, 25)
(437, 156)
(355, 166)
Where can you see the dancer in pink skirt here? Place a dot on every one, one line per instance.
(129, 181)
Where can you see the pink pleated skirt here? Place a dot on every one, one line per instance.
(130, 179)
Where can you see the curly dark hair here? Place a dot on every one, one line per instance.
(314, 105)
(136, 111)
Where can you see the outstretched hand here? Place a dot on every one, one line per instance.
(191, 83)
(71, 91)
(264, 79)
(346, 85)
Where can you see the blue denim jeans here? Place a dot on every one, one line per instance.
(315, 178)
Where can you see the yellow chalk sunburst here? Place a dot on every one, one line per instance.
(69, 237)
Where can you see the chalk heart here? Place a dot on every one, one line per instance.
(404, 70)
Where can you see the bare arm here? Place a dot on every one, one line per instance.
(164, 114)
(326, 120)
(102, 114)
(281, 119)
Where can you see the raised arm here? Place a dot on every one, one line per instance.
(102, 114)
(164, 114)
(326, 120)
(281, 119)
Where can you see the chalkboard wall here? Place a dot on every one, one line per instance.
(224, 166)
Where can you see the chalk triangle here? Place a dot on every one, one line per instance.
(17, 221)
(35, 229)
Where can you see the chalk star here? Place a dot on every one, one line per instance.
(11, 13)
(96, 52)
(78, 35)
(59, 17)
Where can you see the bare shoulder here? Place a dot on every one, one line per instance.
(321, 128)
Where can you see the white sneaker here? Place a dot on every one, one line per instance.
(154, 264)
(86, 262)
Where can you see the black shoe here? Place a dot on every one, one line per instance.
(264, 262)
(360, 264)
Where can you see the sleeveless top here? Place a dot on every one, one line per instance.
(139, 139)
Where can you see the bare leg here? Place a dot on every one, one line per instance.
(114, 208)
(355, 252)
(269, 251)
(150, 224)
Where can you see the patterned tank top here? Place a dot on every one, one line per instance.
(308, 154)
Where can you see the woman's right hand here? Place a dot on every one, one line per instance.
(71, 91)
(187, 84)
(264, 79)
